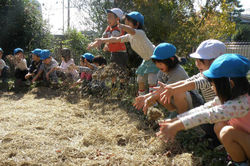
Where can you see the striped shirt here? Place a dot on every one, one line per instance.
(202, 84)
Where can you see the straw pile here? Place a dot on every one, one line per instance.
(42, 127)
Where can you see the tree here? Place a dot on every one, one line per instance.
(22, 26)
(174, 21)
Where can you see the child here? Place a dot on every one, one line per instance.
(47, 68)
(118, 50)
(35, 64)
(98, 81)
(170, 72)
(86, 69)
(20, 64)
(147, 71)
(205, 54)
(230, 111)
(66, 64)
(3, 68)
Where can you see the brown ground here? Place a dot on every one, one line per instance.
(47, 127)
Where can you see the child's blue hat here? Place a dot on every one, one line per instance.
(137, 16)
(45, 54)
(36, 51)
(164, 51)
(228, 65)
(17, 50)
(88, 56)
(1, 50)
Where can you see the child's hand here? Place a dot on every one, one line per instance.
(169, 129)
(166, 95)
(10, 57)
(139, 102)
(150, 101)
(27, 76)
(96, 44)
(105, 48)
(120, 26)
(57, 68)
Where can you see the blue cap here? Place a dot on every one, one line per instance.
(17, 50)
(228, 65)
(36, 51)
(45, 54)
(1, 50)
(88, 56)
(164, 51)
(137, 16)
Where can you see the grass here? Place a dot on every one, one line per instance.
(43, 126)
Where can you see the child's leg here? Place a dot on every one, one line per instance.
(235, 141)
(5, 73)
(179, 103)
(141, 84)
(152, 81)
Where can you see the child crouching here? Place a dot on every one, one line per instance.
(48, 67)
(20, 64)
(3, 68)
(66, 69)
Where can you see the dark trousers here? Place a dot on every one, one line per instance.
(20, 74)
(4, 74)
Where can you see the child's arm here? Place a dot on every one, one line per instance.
(89, 65)
(231, 109)
(180, 87)
(127, 29)
(51, 70)
(168, 129)
(79, 81)
(108, 40)
(204, 114)
(37, 76)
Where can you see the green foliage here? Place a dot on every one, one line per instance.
(242, 33)
(22, 26)
(77, 43)
(190, 67)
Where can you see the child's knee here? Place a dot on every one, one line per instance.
(226, 134)
(218, 126)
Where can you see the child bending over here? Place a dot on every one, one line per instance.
(230, 111)
(170, 72)
(147, 71)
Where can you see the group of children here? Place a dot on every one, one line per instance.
(45, 68)
(222, 81)
(224, 110)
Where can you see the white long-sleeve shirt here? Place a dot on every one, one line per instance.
(237, 111)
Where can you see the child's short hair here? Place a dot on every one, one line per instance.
(171, 64)
(203, 60)
(66, 54)
(134, 22)
(100, 60)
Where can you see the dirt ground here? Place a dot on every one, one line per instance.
(49, 127)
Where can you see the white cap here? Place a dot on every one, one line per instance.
(209, 49)
(117, 12)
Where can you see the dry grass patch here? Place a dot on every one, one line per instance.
(42, 127)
